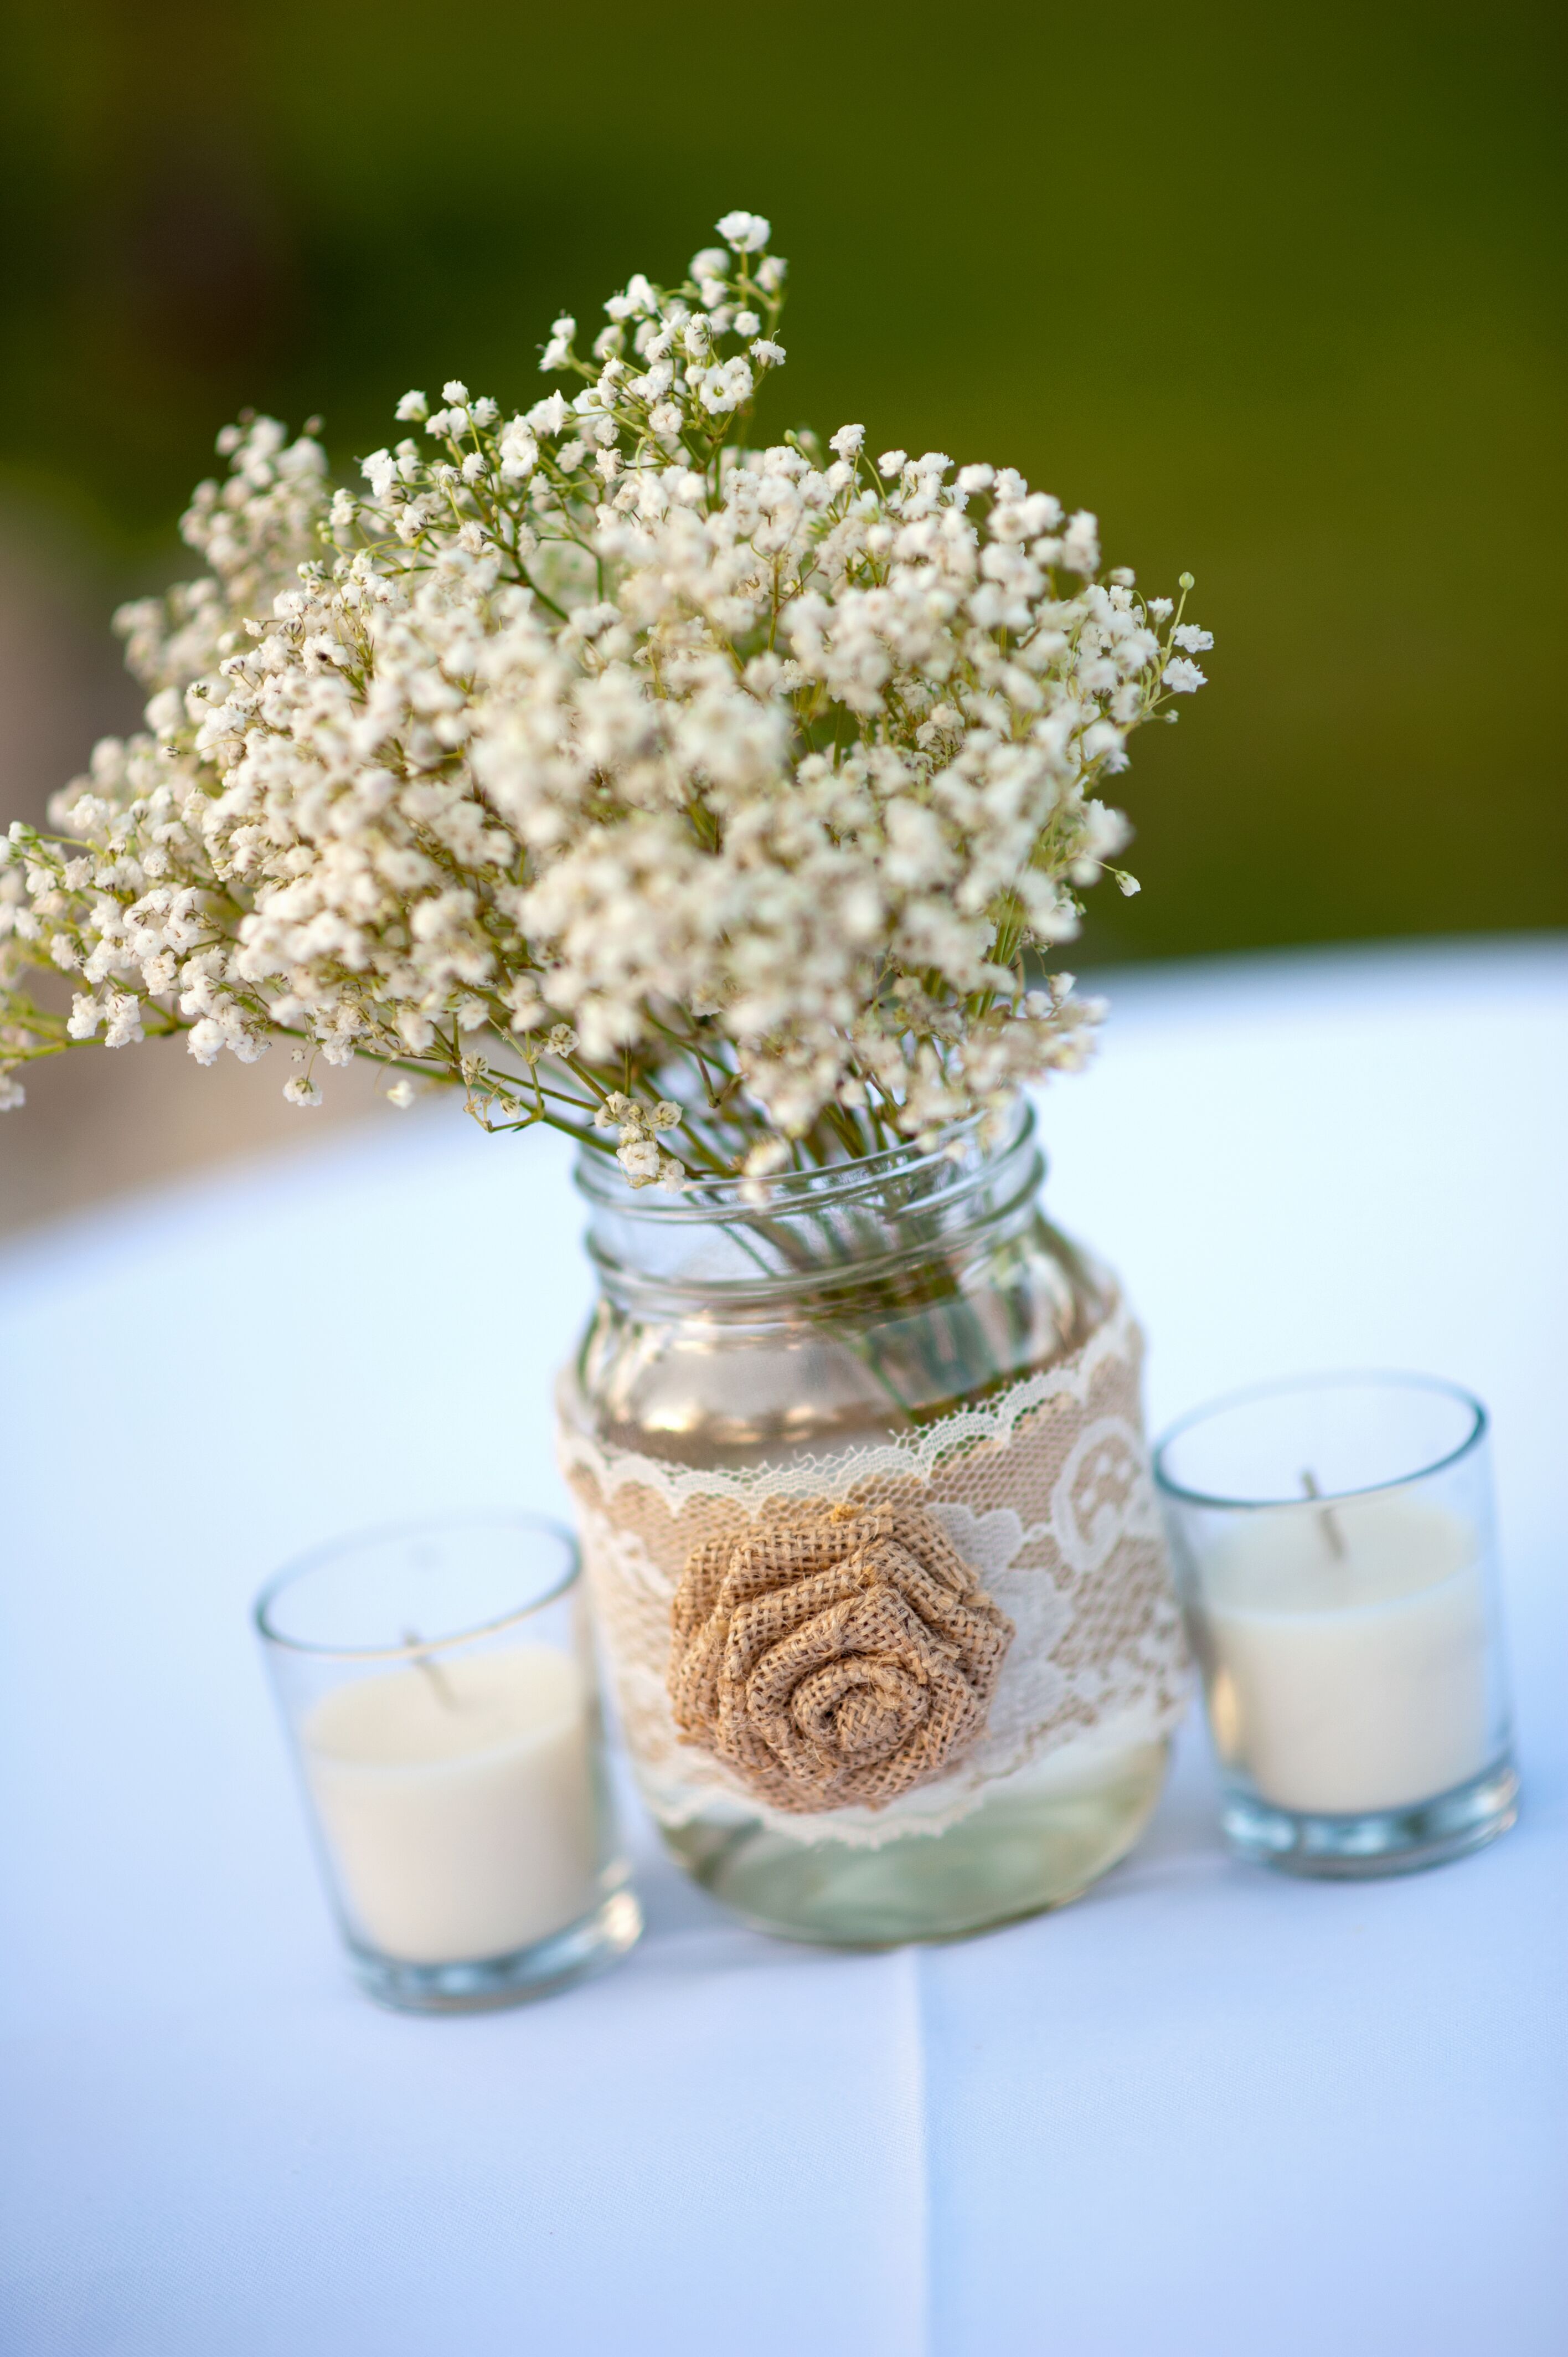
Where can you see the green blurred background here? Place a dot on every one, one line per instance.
(1275, 291)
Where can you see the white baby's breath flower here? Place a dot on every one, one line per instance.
(123, 1024)
(686, 795)
(747, 232)
(1081, 544)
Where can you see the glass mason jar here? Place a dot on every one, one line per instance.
(871, 1538)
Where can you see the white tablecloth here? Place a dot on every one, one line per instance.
(1204, 2110)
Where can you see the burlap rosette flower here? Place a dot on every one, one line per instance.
(835, 1660)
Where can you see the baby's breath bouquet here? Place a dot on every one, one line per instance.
(721, 806)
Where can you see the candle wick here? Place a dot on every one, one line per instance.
(1331, 1530)
(422, 1661)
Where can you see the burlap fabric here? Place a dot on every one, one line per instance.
(1043, 1498)
(834, 1658)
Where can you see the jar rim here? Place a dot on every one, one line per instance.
(1477, 1424)
(329, 1553)
(960, 1146)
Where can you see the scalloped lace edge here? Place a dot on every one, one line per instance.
(840, 1472)
(928, 1810)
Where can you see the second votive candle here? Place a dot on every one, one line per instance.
(1333, 1542)
(438, 1682)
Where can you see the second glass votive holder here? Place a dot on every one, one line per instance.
(1334, 1549)
(440, 1686)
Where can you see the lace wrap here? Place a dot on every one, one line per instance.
(1042, 1490)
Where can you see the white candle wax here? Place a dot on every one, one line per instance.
(1351, 1677)
(457, 1803)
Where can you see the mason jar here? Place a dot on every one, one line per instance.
(873, 1547)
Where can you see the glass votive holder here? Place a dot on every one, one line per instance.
(1334, 1552)
(438, 1684)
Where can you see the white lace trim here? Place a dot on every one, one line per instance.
(1100, 1752)
(834, 1473)
(1097, 1667)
